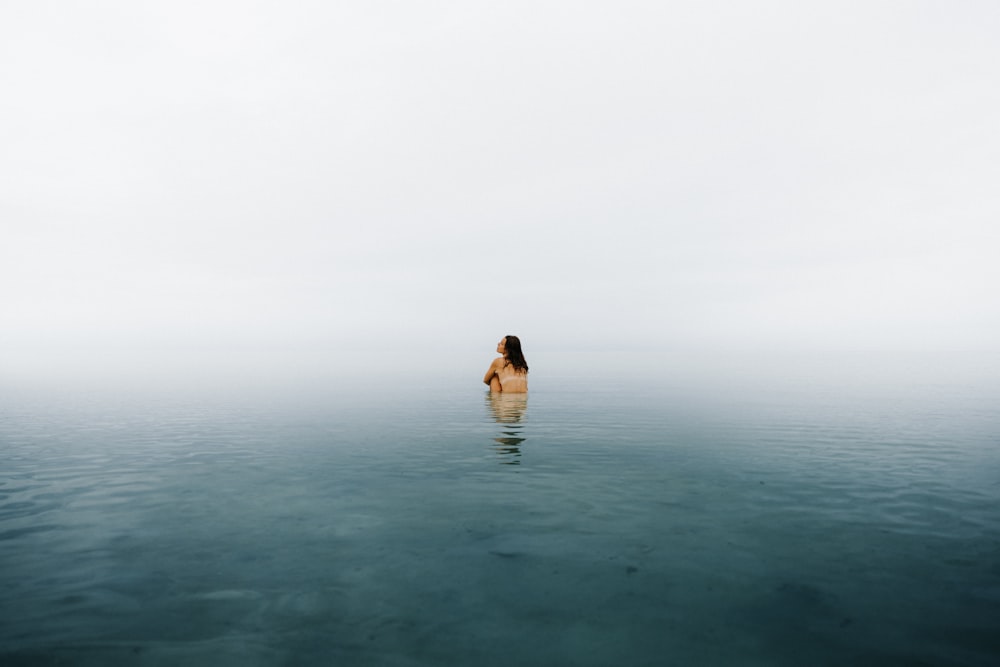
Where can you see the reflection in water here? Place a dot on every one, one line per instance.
(508, 411)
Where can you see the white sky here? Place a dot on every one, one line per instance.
(308, 180)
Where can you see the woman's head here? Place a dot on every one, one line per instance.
(510, 347)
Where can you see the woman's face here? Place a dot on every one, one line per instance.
(502, 345)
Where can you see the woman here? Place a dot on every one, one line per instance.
(510, 372)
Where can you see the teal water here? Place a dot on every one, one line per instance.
(631, 524)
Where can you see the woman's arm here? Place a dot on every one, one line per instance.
(491, 373)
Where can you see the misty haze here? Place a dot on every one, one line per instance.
(256, 257)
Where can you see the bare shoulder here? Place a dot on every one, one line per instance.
(497, 363)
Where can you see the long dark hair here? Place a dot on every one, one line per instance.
(512, 350)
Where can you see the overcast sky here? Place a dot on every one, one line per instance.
(279, 180)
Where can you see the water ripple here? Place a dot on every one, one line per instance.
(173, 529)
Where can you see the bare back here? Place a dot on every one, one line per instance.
(502, 376)
(511, 380)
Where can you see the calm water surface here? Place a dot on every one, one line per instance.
(634, 524)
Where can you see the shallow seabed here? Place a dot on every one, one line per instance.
(632, 524)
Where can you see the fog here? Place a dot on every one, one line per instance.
(254, 189)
